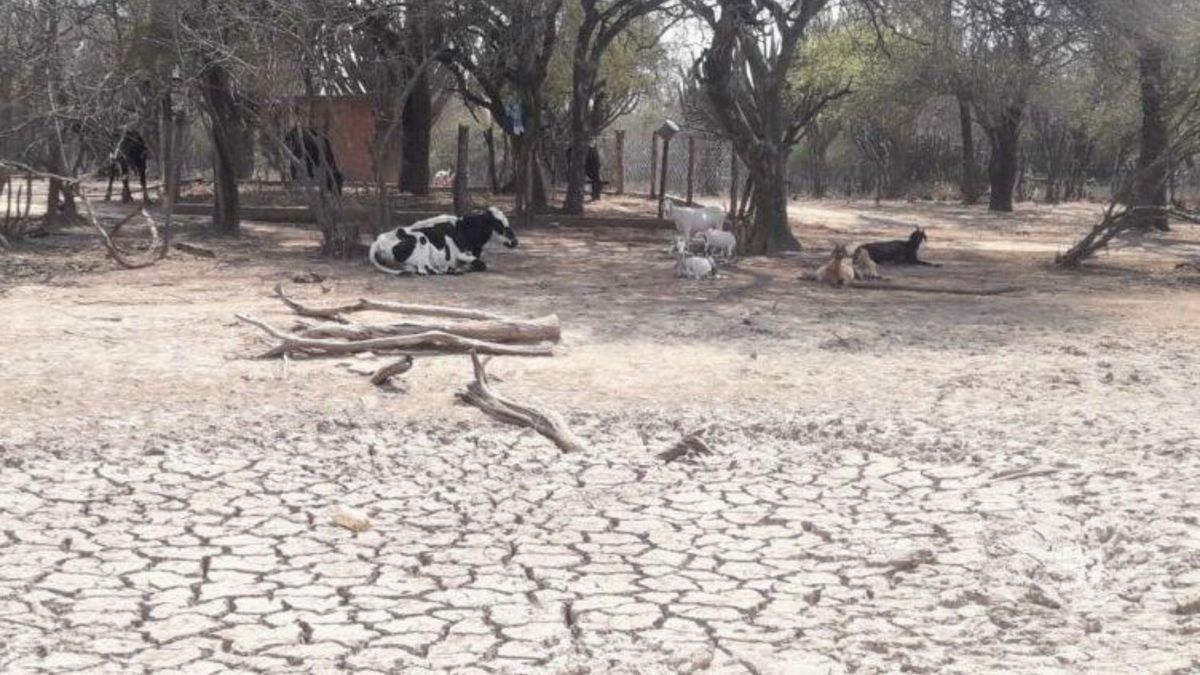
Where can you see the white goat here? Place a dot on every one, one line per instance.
(692, 220)
(719, 241)
(695, 267)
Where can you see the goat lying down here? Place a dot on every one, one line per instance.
(839, 270)
(897, 252)
(441, 245)
(688, 266)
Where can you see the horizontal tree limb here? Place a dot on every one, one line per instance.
(431, 340)
(366, 304)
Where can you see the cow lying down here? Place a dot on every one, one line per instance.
(442, 244)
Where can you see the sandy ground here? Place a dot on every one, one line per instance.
(903, 482)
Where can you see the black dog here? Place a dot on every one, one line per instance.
(311, 147)
(897, 252)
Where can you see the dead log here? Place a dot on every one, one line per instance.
(366, 304)
(545, 329)
(403, 365)
(544, 421)
(198, 251)
(429, 340)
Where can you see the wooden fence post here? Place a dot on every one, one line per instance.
(619, 177)
(653, 162)
(462, 173)
(691, 170)
(733, 183)
(662, 176)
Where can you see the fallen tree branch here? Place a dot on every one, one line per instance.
(158, 245)
(930, 289)
(546, 422)
(198, 251)
(387, 372)
(433, 339)
(366, 304)
(544, 329)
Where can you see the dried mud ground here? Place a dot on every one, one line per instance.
(902, 482)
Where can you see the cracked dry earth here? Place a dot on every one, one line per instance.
(970, 489)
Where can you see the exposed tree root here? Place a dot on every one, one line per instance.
(544, 421)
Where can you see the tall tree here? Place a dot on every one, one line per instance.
(500, 64)
(602, 22)
(744, 72)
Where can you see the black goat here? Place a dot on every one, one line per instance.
(312, 148)
(127, 152)
(897, 252)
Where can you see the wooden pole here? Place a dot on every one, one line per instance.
(619, 174)
(462, 173)
(662, 176)
(653, 162)
(691, 171)
(528, 188)
(733, 183)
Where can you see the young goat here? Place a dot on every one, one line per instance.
(719, 241)
(691, 266)
(838, 271)
(897, 252)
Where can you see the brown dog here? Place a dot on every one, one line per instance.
(839, 271)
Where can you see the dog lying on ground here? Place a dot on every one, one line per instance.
(839, 271)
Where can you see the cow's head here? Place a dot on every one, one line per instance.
(501, 228)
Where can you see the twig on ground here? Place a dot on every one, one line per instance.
(544, 421)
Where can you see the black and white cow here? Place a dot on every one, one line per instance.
(442, 244)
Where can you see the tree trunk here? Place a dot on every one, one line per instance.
(1150, 183)
(244, 150)
(489, 139)
(1003, 165)
(416, 127)
(223, 115)
(969, 182)
(583, 83)
(769, 232)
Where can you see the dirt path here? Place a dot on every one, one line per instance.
(902, 481)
